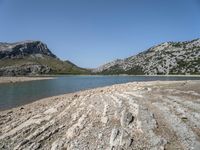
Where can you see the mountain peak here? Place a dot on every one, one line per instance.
(31, 58)
(24, 48)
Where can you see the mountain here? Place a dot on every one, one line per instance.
(33, 58)
(166, 58)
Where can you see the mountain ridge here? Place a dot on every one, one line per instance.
(33, 58)
(165, 58)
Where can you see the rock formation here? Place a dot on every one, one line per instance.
(22, 49)
(166, 58)
(32, 58)
(133, 116)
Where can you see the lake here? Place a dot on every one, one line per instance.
(13, 95)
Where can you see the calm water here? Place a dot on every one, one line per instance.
(12, 95)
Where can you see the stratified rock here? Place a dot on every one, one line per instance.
(165, 119)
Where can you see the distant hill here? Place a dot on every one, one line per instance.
(166, 58)
(33, 58)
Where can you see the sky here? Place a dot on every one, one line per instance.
(92, 32)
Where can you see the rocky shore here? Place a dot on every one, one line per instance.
(22, 79)
(147, 115)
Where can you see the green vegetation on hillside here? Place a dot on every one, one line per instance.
(57, 66)
(115, 70)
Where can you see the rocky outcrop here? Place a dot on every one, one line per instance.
(133, 116)
(31, 69)
(32, 58)
(166, 58)
(22, 49)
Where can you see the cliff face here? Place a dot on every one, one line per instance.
(166, 58)
(32, 58)
(22, 49)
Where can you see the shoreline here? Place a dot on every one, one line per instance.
(27, 79)
(141, 115)
(120, 75)
(80, 92)
(5, 80)
(16, 79)
(196, 76)
(93, 90)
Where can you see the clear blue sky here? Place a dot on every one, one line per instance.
(92, 32)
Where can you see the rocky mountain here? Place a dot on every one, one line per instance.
(32, 58)
(166, 58)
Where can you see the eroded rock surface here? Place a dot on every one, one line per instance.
(33, 58)
(165, 58)
(149, 115)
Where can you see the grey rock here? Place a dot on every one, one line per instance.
(74, 122)
(22, 49)
(166, 58)
(32, 58)
(129, 118)
(31, 69)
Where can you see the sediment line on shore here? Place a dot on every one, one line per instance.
(22, 79)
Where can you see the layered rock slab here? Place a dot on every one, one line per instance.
(148, 115)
